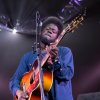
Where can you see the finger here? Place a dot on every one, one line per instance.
(24, 96)
(54, 50)
(53, 53)
(50, 60)
(53, 46)
(22, 99)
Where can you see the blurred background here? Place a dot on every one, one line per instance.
(18, 31)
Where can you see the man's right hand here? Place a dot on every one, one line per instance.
(21, 95)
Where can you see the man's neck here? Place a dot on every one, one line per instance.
(43, 46)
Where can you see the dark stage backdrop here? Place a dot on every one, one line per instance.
(84, 43)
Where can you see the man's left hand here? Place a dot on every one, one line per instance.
(53, 55)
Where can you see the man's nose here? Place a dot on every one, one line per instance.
(50, 31)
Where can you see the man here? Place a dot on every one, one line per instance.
(63, 68)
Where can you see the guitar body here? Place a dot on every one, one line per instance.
(32, 86)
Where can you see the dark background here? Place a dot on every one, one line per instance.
(84, 43)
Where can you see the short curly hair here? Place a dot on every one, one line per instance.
(53, 20)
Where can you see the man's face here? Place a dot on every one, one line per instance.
(49, 33)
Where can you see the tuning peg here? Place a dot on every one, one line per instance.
(81, 23)
(72, 31)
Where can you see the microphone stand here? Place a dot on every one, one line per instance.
(38, 50)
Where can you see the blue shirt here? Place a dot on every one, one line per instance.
(63, 73)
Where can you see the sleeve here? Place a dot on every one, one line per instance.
(66, 66)
(14, 83)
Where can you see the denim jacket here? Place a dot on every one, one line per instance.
(63, 73)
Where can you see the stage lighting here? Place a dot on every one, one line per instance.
(70, 10)
(14, 31)
(77, 2)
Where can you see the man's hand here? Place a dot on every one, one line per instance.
(53, 55)
(21, 95)
(54, 52)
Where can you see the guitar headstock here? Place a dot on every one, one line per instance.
(74, 23)
(71, 26)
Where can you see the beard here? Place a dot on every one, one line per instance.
(45, 40)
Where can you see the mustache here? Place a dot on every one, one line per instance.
(48, 33)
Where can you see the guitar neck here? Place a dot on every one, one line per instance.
(70, 27)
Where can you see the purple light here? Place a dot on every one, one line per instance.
(77, 2)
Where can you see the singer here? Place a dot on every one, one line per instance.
(63, 67)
